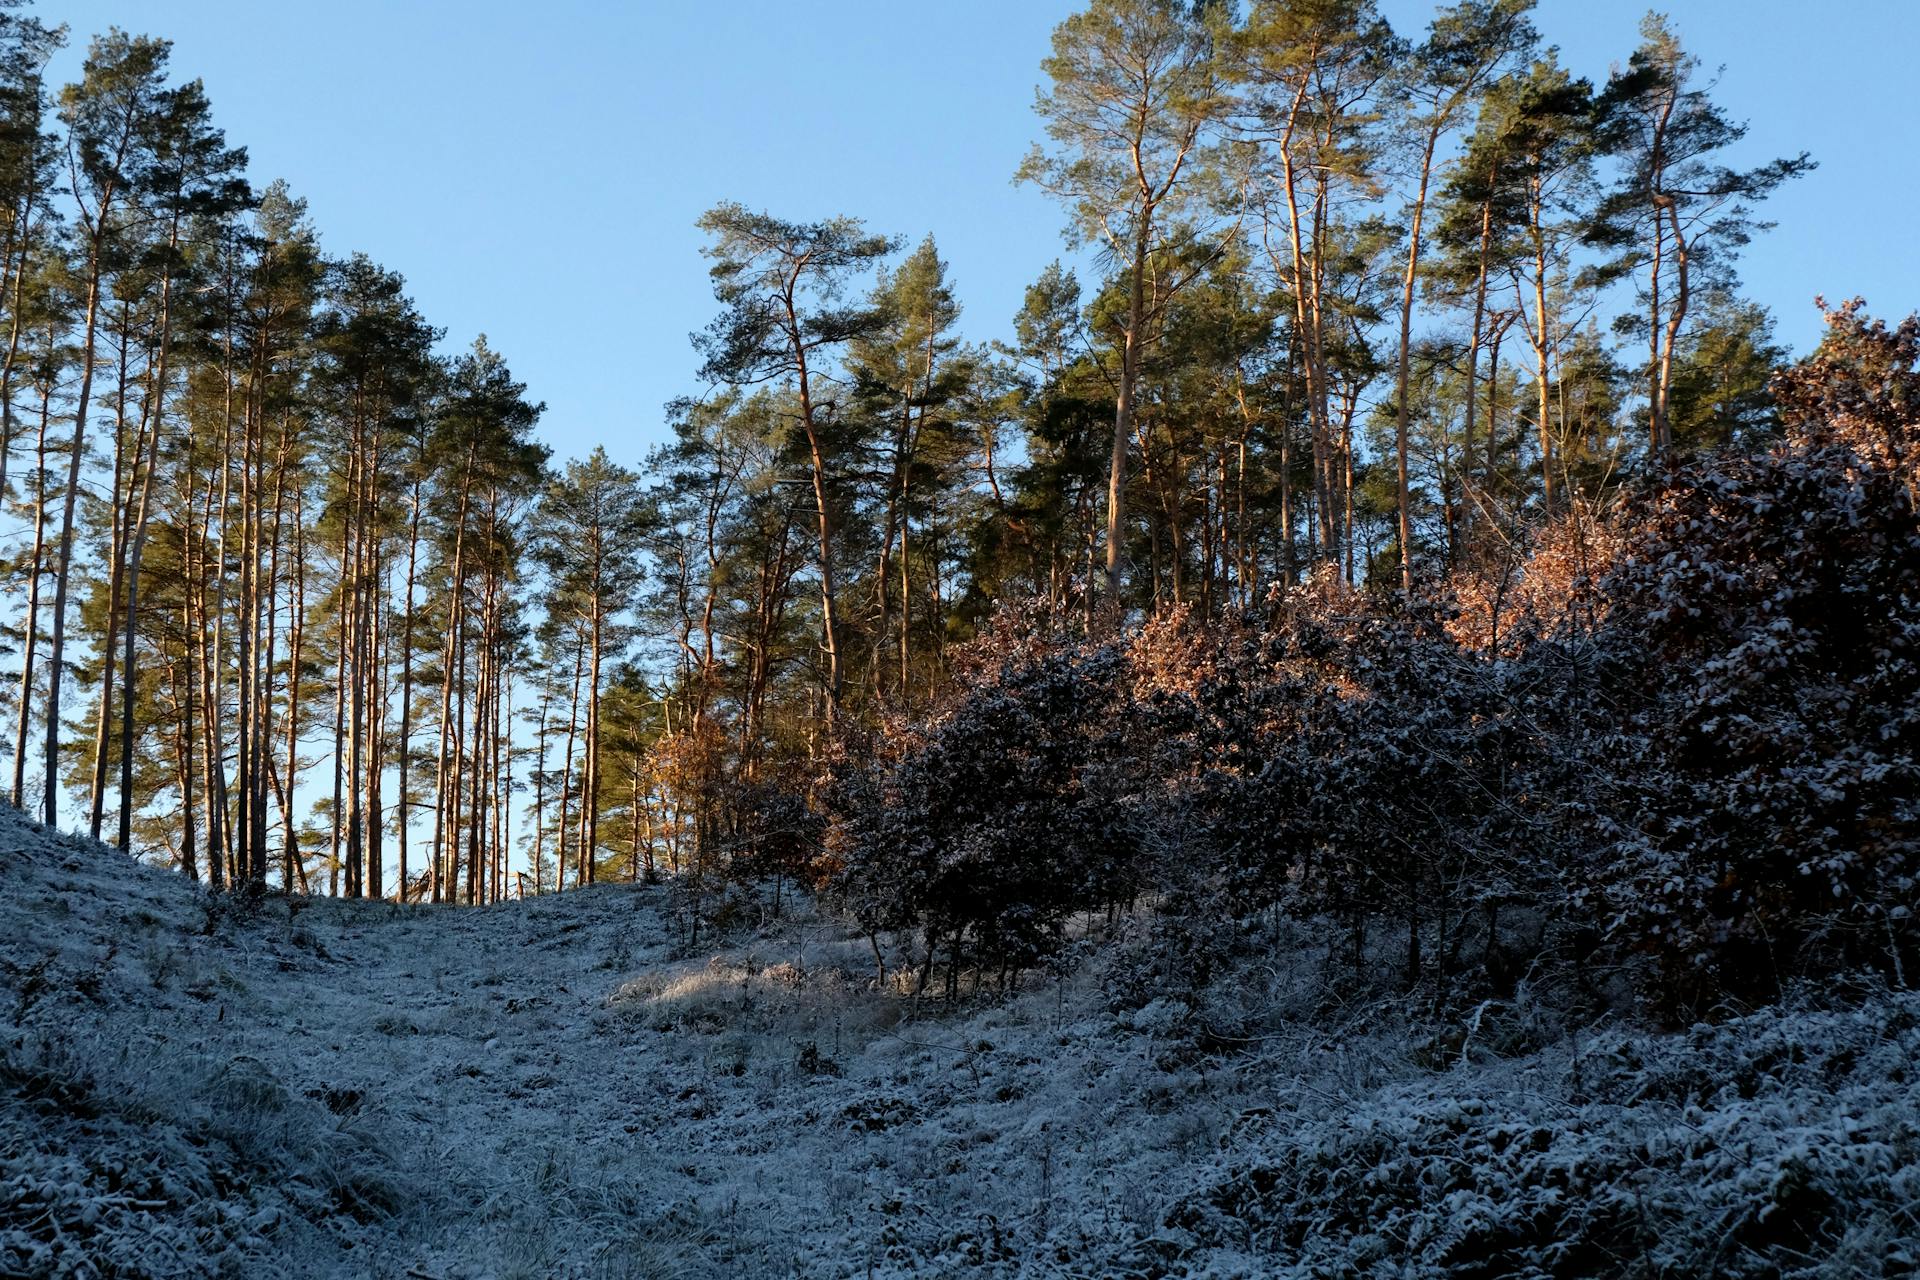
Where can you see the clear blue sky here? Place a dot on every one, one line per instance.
(535, 170)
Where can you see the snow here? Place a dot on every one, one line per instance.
(562, 1087)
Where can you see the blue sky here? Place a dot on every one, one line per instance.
(535, 170)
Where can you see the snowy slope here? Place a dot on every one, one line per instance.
(560, 1088)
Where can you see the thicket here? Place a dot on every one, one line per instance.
(1663, 750)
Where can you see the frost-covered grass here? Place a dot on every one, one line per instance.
(1778, 1144)
(558, 1088)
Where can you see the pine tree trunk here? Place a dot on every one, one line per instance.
(212, 622)
(883, 569)
(1542, 346)
(128, 681)
(341, 864)
(1683, 296)
(157, 411)
(56, 654)
(590, 784)
(1123, 405)
(36, 566)
(1400, 425)
(376, 709)
(1474, 336)
(566, 767)
(1306, 299)
(20, 234)
(456, 614)
(906, 608)
(293, 865)
(540, 788)
(118, 520)
(816, 453)
(405, 798)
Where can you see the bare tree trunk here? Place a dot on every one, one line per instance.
(1493, 407)
(246, 634)
(129, 683)
(1123, 405)
(183, 761)
(1474, 336)
(157, 370)
(1659, 364)
(1404, 365)
(1683, 294)
(906, 606)
(405, 800)
(343, 832)
(20, 235)
(540, 787)
(590, 784)
(57, 649)
(476, 786)
(119, 517)
(566, 766)
(292, 865)
(213, 622)
(816, 454)
(456, 613)
(502, 776)
(270, 645)
(882, 576)
(1542, 347)
(1289, 560)
(1346, 488)
(376, 716)
(36, 567)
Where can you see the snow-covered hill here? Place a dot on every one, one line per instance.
(560, 1088)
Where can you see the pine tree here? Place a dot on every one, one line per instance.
(375, 375)
(489, 467)
(1552, 140)
(909, 380)
(1466, 48)
(195, 179)
(781, 283)
(108, 116)
(588, 531)
(1308, 76)
(1686, 215)
(1135, 90)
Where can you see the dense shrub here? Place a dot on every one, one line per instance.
(1765, 629)
(999, 823)
(1384, 777)
(1679, 736)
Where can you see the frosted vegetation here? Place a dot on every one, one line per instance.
(1143, 801)
(198, 1087)
(1567, 934)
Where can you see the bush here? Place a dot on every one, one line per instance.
(998, 823)
(1684, 729)
(1765, 635)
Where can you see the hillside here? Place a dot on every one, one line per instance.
(558, 1088)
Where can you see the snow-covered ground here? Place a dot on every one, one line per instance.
(563, 1088)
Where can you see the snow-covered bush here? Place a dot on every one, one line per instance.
(1386, 793)
(1684, 729)
(1763, 644)
(998, 823)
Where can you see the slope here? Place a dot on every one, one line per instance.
(564, 1087)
